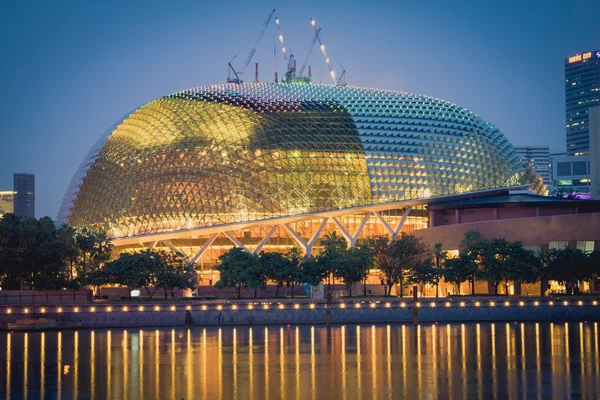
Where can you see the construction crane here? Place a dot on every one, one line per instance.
(291, 62)
(337, 81)
(238, 74)
(309, 50)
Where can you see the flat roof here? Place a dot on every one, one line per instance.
(513, 199)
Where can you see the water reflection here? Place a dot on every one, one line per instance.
(455, 361)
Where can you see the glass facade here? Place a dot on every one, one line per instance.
(582, 91)
(229, 154)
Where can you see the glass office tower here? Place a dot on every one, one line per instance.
(582, 91)
(24, 200)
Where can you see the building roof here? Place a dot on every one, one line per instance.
(513, 200)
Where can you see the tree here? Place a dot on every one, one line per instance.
(425, 272)
(396, 258)
(329, 258)
(137, 270)
(503, 261)
(278, 269)
(569, 266)
(353, 265)
(458, 270)
(472, 248)
(439, 256)
(173, 273)
(238, 269)
(312, 272)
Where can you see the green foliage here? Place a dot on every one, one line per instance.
(137, 270)
(502, 260)
(174, 273)
(396, 258)
(239, 269)
(353, 265)
(569, 266)
(458, 270)
(279, 269)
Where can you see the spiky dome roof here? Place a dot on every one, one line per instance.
(243, 152)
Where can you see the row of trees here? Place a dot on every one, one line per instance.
(406, 260)
(34, 254)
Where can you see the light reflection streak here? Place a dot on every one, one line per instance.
(388, 334)
(538, 360)
(266, 359)
(312, 363)
(494, 363)
(235, 363)
(173, 360)
(141, 364)
(157, 364)
(419, 361)
(358, 362)
(523, 358)
(463, 357)
(25, 364)
(434, 345)
(281, 362)
(8, 363)
(125, 363)
(509, 358)
(297, 358)
(188, 365)
(343, 354)
(567, 358)
(479, 372)
(250, 362)
(220, 361)
(204, 371)
(448, 356)
(42, 365)
(404, 361)
(373, 359)
(75, 365)
(60, 367)
(93, 364)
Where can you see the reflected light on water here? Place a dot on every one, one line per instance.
(459, 361)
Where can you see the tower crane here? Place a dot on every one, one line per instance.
(237, 74)
(291, 62)
(337, 81)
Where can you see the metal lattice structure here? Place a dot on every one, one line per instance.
(230, 154)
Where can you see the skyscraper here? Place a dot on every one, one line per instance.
(538, 157)
(582, 91)
(24, 200)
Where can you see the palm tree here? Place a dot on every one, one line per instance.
(439, 256)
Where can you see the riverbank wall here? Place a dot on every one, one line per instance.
(261, 312)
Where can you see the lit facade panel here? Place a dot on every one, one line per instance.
(230, 154)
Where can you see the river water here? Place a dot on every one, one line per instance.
(450, 361)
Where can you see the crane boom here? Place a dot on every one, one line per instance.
(310, 49)
(291, 64)
(338, 82)
(260, 32)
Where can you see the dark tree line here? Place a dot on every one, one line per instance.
(34, 254)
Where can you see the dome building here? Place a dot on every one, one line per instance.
(270, 166)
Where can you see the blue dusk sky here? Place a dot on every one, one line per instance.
(71, 69)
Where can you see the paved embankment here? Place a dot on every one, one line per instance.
(258, 312)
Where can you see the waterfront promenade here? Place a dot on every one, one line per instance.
(305, 311)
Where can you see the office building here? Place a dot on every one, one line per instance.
(538, 157)
(582, 91)
(595, 152)
(24, 201)
(6, 202)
